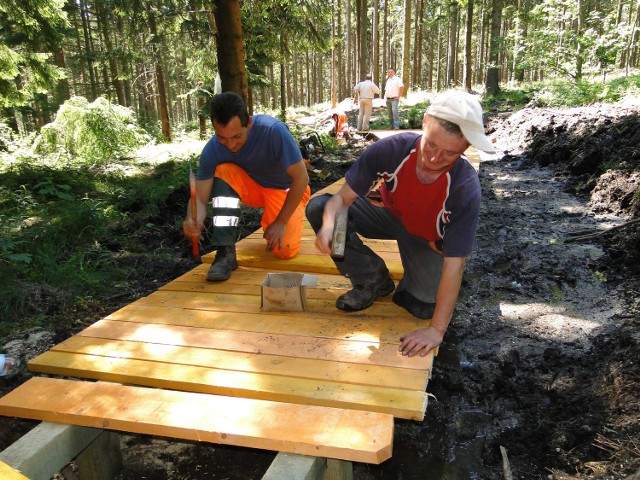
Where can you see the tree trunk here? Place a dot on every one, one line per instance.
(492, 85)
(340, 54)
(467, 47)
(230, 48)
(452, 53)
(582, 15)
(333, 58)
(417, 44)
(363, 51)
(349, 50)
(406, 46)
(375, 41)
(524, 32)
(111, 58)
(88, 50)
(62, 92)
(162, 90)
(386, 62)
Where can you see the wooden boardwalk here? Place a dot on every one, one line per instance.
(201, 361)
(197, 337)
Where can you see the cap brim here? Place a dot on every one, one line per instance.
(478, 140)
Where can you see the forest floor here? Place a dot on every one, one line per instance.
(539, 372)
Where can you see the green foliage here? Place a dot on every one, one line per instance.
(30, 31)
(563, 93)
(414, 117)
(59, 225)
(97, 133)
(570, 39)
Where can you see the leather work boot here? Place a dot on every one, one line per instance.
(224, 263)
(414, 306)
(363, 296)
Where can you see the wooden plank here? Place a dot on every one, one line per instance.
(355, 328)
(46, 449)
(362, 352)
(329, 295)
(8, 473)
(304, 429)
(383, 307)
(255, 276)
(339, 327)
(341, 372)
(399, 403)
(256, 247)
(304, 263)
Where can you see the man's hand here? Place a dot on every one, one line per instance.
(274, 234)
(420, 341)
(191, 228)
(323, 240)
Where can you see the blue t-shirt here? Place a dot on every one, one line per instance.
(270, 149)
(445, 212)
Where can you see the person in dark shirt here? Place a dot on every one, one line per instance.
(252, 160)
(419, 190)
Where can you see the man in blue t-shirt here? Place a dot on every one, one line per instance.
(257, 162)
(420, 190)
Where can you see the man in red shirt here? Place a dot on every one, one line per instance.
(428, 200)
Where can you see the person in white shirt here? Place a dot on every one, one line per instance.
(392, 93)
(365, 91)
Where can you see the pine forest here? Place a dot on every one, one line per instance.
(163, 59)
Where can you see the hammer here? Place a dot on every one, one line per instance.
(339, 234)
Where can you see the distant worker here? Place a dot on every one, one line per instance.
(428, 200)
(392, 92)
(365, 92)
(257, 162)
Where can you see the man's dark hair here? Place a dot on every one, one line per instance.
(225, 106)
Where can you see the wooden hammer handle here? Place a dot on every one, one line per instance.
(339, 234)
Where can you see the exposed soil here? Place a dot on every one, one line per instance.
(539, 372)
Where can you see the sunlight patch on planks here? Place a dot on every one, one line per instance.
(301, 429)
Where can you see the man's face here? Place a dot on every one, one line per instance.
(437, 151)
(391, 72)
(232, 135)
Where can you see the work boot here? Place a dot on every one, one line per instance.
(363, 296)
(414, 306)
(224, 263)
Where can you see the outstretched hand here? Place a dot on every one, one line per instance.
(420, 341)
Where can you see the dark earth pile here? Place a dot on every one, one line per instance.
(539, 372)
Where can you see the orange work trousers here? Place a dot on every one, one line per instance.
(252, 194)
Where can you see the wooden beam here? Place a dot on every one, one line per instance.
(305, 429)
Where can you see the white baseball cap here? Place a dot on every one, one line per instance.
(464, 110)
